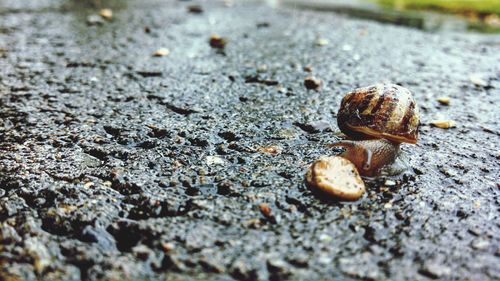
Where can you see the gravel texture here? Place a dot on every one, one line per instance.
(118, 165)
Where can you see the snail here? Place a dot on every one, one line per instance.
(377, 119)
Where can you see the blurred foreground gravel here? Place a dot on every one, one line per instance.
(117, 165)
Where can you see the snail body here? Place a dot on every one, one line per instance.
(377, 119)
(369, 156)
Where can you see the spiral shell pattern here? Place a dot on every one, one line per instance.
(385, 111)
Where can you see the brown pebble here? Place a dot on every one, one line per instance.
(106, 14)
(443, 100)
(273, 149)
(443, 124)
(265, 210)
(337, 177)
(312, 83)
(167, 247)
(161, 52)
(321, 42)
(217, 42)
(195, 9)
(307, 68)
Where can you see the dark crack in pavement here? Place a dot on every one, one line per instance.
(117, 165)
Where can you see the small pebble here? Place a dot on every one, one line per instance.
(390, 183)
(267, 212)
(477, 80)
(88, 184)
(347, 48)
(94, 20)
(337, 177)
(480, 244)
(443, 100)
(262, 68)
(273, 149)
(265, 209)
(217, 42)
(161, 52)
(106, 14)
(312, 83)
(167, 247)
(443, 124)
(195, 9)
(321, 42)
(214, 160)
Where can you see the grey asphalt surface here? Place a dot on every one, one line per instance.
(116, 165)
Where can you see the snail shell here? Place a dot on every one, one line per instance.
(381, 111)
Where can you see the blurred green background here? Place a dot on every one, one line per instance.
(455, 6)
(432, 15)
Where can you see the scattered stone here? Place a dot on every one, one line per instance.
(217, 42)
(195, 9)
(337, 177)
(443, 124)
(480, 244)
(321, 42)
(312, 83)
(267, 212)
(106, 14)
(263, 24)
(347, 48)
(161, 52)
(94, 20)
(262, 68)
(307, 68)
(167, 247)
(273, 150)
(214, 160)
(389, 183)
(444, 100)
(478, 80)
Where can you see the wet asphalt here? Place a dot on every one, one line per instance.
(117, 165)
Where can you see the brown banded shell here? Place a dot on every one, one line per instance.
(385, 111)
